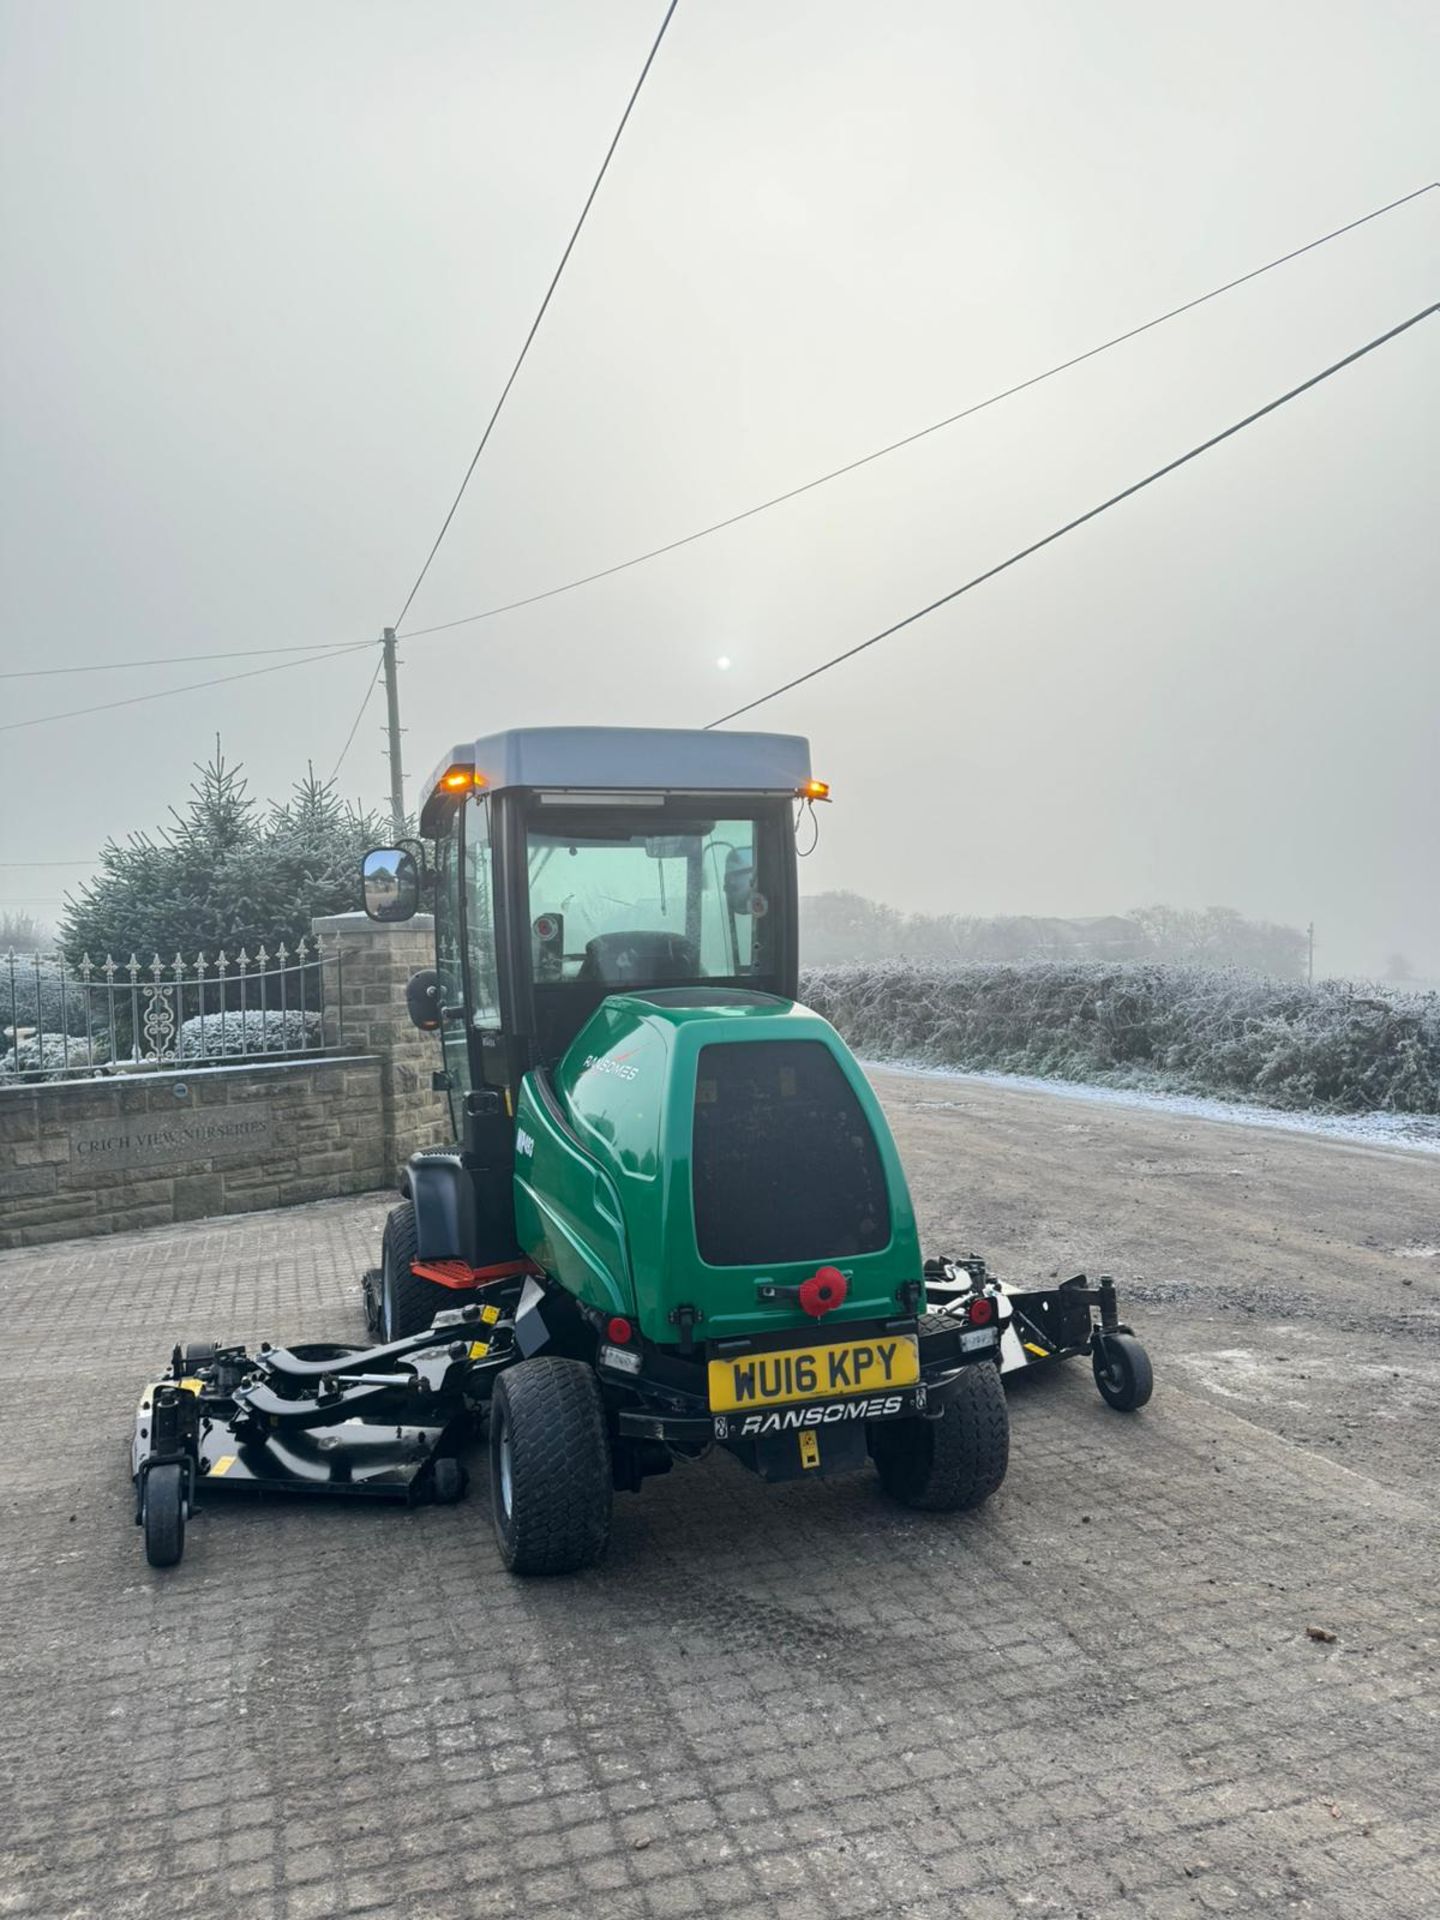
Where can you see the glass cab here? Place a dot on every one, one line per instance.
(545, 903)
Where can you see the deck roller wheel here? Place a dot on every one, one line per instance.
(448, 1480)
(371, 1282)
(163, 1513)
(1122, 1371)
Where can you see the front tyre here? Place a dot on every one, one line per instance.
(407, 1303)
(550, 1479)
(955, 1462)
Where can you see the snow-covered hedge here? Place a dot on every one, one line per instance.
(34, 994)
(1337, 1047)
(47, 1056)
(255, 1030)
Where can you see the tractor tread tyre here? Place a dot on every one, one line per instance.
(1122, 1371)
(548, 1416)
(942, 1320)
(407, 1303)
(938, 1320)
(164, 1514)
(953, 1463)
(198, 1353)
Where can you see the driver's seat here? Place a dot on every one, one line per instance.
(640, 959)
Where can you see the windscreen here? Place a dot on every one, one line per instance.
(785, 1166)
(667, 900)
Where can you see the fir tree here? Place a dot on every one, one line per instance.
(226, 873)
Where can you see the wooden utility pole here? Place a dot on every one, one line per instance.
(392, 728)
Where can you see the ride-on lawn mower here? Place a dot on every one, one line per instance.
(674, 1217)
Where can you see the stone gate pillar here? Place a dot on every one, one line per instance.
(374, 963)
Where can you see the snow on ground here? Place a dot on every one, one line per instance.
(1418, 1131)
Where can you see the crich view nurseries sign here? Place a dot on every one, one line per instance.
(153, 1139)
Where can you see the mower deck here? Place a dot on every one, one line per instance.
(390, 1422)
(1043, 1325)
(377, 1423)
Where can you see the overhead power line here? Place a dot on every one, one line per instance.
(1080, 520)
(167, 693)
(909, 439)
(354, 724)
(177, 659)
(316, 649)
(332, 649)
(540, 315)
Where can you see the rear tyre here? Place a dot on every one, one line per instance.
(407, 1303)
(550, 1477)
(198, 1354)
(955, 1462)
(164, 1514)
(1122, 1371)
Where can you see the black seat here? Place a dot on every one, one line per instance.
(639, 959)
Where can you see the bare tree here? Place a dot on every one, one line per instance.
(23, 933)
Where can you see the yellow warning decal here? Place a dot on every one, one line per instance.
(809, 1449)
(490, 1315)
(192, 1386)
(479, 1349)
(1042, 1353)
(222, 1465)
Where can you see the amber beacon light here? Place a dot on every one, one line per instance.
(461, 779)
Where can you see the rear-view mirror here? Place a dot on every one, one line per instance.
(390, 883)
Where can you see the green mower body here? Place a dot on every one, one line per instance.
(709, 1152)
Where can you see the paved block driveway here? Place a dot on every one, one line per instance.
(1096, 1697)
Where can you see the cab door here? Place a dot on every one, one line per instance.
(450, 965)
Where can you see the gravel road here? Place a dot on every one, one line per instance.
(1293, 1279)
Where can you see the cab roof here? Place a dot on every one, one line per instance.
(620, 760)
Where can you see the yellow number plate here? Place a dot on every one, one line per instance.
(814, 1373)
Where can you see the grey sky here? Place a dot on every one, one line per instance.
(265, 268)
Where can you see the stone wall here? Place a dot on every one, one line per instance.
(147, 1149)
(104, 1156)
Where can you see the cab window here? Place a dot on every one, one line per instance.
(670, 900)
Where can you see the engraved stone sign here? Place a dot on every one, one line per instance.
(162, 1139)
